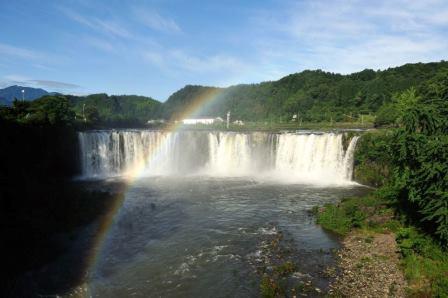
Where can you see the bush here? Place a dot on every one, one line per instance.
(350, 213)
(425, 263)
(387, 115)
(373, 158)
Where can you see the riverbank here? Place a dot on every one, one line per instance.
(267, 126)
(382, 255)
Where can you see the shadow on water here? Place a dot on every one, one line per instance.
(49, 230)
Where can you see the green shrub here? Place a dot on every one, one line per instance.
(350, 213)
(425, 263)
(372, 158)
(386, 116)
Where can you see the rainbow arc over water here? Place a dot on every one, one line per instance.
(200, 102)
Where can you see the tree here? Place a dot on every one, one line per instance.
(421, 156)
(386, 116)
(91, 114)
(50, 110)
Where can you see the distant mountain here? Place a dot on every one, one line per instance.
(8, 94)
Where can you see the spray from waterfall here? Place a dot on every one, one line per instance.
(288, 156)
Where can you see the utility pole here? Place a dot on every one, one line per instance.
(83, 113)
(228, 119)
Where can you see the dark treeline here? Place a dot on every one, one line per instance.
(115, 110)
(97, 110)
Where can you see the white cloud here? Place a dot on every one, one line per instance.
(9, 50)
(347, 36)
(100, 44)
(175, 61)
(213, 63)
(15, 79)
(155, 21)
(108, 27)
(22, 80)
(154, 58)
(53, 84)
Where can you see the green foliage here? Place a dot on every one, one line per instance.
(334, 219)
(285, 269)
(373, 158)
(91, 114)
(413, 158)
(275, 283)
(46, 111)
(115, 110)
(268, 287)
(393, 113)
(350, 213)
(387, 115)
(52, 110)
(97, 110)
(421, 159)
(315, 96)
(425, 263)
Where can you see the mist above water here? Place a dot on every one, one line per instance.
(286, 157)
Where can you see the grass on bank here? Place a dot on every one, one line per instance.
(424, 261)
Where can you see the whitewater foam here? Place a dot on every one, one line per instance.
(285, 157)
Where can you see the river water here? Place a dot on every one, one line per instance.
(208, 214)
(208, 237)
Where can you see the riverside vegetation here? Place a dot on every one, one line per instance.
(409, 164)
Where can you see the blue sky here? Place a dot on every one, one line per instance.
(155, 47)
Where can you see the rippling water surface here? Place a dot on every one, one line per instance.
(205, 237)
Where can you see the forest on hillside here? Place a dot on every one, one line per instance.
(96, 110)
(314, 96)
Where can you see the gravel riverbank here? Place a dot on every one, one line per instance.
(369, 265)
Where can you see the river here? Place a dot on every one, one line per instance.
(205, 214)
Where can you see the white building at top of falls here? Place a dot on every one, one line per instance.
(206, 121)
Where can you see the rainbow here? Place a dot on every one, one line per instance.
(201, 101)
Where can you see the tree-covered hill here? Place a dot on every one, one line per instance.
(181, 99)
(115, 109)
(97, 110)
(314, 95)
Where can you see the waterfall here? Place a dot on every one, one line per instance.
(229, 153)
(285, 156)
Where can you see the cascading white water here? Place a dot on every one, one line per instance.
(229, 152)
(286, 156)
(313, 157)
